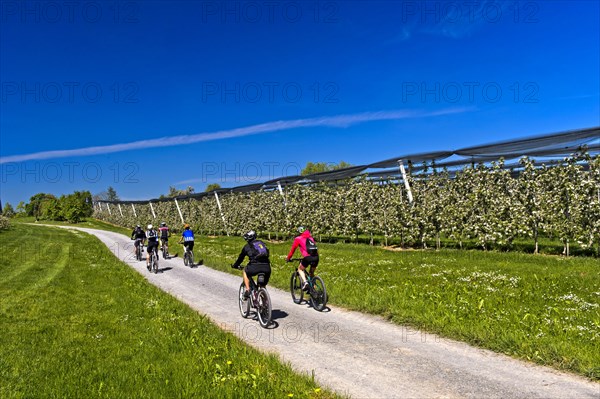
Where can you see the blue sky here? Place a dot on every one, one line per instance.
(198, 92)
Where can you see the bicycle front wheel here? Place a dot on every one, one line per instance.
(263, 307)
(296, 287)
(243, 303)
(318, 294)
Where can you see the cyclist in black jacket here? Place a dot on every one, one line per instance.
(152, 236)
(139, 236)
(258, 254)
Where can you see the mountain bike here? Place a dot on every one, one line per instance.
(153, 266)
(259, 300)
(138, 248)
(316, 289)
(188, 257)
(164, 248)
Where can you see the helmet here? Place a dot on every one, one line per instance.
(249, 236)
(301, 229)
(186, 226)
(163, 224)
(149, 227)
(138, 226)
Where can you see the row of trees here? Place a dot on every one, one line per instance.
(72, 208)
(488, 204)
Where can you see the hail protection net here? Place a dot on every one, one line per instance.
(551, 147)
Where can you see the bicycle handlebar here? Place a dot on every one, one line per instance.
(295, 259)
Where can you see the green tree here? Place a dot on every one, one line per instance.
(21, 209)
(38, 204)
(111, 194)
(173, 192)
(74, 207)
(8, 210)
(212, 186)
(319, 167)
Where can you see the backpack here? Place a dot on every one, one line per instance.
(311, 247)
(260, 250)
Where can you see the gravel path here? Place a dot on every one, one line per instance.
(355, 354)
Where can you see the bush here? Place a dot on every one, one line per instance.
(4, 223)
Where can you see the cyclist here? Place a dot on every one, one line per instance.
(152, 237)
(187, 236)
(164, 235)
(258, 253)
(310, 255)
(139, 236)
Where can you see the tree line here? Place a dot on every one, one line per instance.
(70, 208)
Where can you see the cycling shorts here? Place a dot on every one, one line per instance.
(254, 268)
(312, 261)
(189, 245)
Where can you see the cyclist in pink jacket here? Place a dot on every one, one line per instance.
(310, 254)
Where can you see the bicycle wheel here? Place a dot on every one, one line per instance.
(191, 260)
(138, 253)
(155, 263)
(318, 294)
(296, 287)
(164, 252)
(263, 307)
(185, 258)
(244, 303)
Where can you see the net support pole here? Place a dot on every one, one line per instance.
(134, 212)
(281, 192)
(152, 209)
(404, 177)
(221, 212)
(120, 210)
(179, 210)
(108, 207)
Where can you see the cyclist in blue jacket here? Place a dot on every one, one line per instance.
(187, 236)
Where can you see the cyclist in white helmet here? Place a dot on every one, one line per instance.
(152, 237)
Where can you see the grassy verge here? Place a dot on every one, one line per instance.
(76, 322)
(540, 308)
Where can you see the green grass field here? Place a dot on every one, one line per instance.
(540, 308)
(544, 309)
(76, 322)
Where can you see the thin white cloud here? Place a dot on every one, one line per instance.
(340, 121)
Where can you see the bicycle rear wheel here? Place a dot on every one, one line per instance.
(155, 263)
(243, 303)
(318, 294)
(263, 307)
(185, 258)
(138, 253)
(296, 287)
